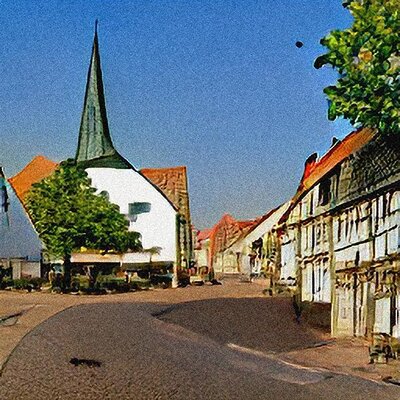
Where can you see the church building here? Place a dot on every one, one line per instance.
(155, 201)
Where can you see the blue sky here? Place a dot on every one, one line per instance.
(218, 86)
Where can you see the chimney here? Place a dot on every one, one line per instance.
(309, 165)
(334, 141)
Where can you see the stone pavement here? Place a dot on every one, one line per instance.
(36, 307)
(124, 351)
(213, 319)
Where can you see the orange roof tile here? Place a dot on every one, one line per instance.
(226, 231)
(316, 169)
(335, 155)
(204, 234)
(173, 183)
(39, 168)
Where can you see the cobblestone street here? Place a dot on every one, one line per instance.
(224, 341)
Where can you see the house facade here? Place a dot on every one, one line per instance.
(340, 236)
(255, 251)
(211, 246)
(202, 250)
(223, 234)
(366, 241)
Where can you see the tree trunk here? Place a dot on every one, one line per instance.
(67, 271)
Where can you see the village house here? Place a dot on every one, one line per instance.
(20, 246)
(202, 250)
(366, 240)
(340, 236)
(211, 244)
(155, 201)
(254, 252)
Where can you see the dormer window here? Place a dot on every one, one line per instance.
(134, 209)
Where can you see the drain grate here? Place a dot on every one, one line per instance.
(82, 361)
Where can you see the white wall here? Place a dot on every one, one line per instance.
(288, 257)
(157, 227)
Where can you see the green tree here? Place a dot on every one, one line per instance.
(367, 57)
(68, 215)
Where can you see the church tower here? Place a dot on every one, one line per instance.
(95, 147)
(147, 208)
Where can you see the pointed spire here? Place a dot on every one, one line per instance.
(95, 147)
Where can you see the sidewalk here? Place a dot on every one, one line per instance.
(347, 356)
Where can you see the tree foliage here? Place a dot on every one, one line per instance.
(68, 215)
(367, 57)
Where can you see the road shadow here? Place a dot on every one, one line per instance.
(265, 324)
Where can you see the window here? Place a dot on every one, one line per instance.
(134, 209)
(324, 192)
(318, 234)
(339, 229)
(311, 204)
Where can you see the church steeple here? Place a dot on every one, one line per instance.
(95, 147)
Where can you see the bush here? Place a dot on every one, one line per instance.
(36, 282)
(5, 283)
(94, 290)
(163, 280)
(79, 282)
(140, 283)
(28, 283)
(113, 283)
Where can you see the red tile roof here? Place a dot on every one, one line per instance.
(39, 168)
(173, 183)
(226, 231)
(315, 170)
(334, 156)
(204, 234)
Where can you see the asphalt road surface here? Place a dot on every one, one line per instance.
(131, 354)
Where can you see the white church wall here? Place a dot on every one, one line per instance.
(157, 227)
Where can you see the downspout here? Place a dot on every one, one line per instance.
(177, 263)
(332, 271)
(298, 261)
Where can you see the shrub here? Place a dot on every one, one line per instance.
(28, 283)
(5, 283)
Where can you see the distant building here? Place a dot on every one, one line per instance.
(222, 235)
(202, 250)
(254, 252)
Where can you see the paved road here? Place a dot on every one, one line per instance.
(145, 358)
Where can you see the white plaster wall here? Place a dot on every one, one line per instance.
(326, 282)
(266, 226)
(288, 260)
(245, 264)
(158, 227)
(382, 315)
(307, 278)
(31, 269)
(345, 312)
(201, 257)
(380, 246)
